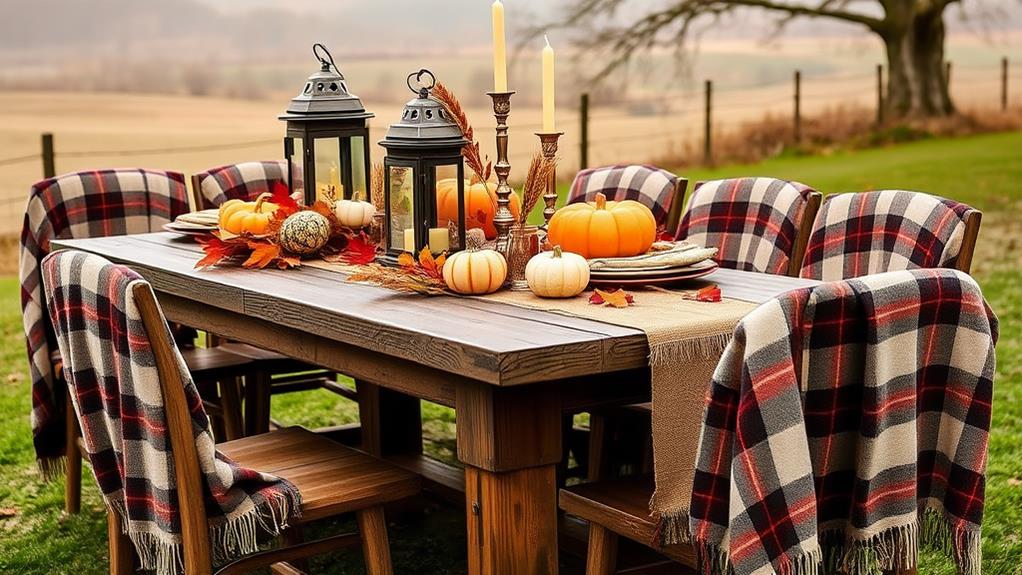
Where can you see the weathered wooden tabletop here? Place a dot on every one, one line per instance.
(510, 373)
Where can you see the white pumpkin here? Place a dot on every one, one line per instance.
(475, 272)
(557, 273)
(354, 213)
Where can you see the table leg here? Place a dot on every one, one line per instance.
(391, 421)
(510, 441)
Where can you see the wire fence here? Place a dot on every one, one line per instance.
(612, 124)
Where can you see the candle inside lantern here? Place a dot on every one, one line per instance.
(439, 240)
(409, 245)
(548, 87)
(499, 49)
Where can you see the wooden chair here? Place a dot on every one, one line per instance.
(332, 479)
(277, 373)
(621, 436)
(114, 202)
(864, 233)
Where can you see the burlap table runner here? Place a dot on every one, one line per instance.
(686, 339)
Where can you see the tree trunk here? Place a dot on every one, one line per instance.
(916, 82)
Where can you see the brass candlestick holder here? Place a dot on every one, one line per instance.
(548, 143)
(503, 218)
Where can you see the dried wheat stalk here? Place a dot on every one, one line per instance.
(535, 185)
(397, 279)
(376, 187)
(473, 158)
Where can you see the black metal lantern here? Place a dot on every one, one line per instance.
(424, 165)
(327, 139)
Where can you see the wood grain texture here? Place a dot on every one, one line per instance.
(971, 236)
(372, 526)
(501, 429)
(601, 558)
(805, 229)
(512, 521)
(391, 421)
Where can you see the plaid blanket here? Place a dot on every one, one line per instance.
(79, 205)
(753, 222)
(845, 424)
(874, 232)
(111, 371)
(244, 181)
(648, 185)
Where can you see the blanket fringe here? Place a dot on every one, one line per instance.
(229, 539)
(959, 542)
(674, 352)
(52, 468)
(714, 560)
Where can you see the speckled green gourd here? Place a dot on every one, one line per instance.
(304, 233)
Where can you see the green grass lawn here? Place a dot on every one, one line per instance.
(984, 171)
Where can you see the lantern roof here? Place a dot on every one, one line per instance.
(325, 95)
(425, 123)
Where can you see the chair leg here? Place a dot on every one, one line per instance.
(599, 442)
(122, 553)
(372, 526)
(292, 537)
(230, 399)
(73, 464)
(602, 556)
(257, 403)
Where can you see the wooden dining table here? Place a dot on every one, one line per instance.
(509, 372)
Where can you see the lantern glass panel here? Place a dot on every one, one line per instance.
(329, 168)
(445, 230)
(294, 158)
(402, 213)
(358, 166)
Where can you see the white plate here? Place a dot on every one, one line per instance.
(653, 272)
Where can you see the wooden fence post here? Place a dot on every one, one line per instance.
(1004, 83)
(708, 130)
(798, 107)
(583, 109)
(880, 94)
(49, 165)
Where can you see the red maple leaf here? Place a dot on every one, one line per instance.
(709, 294)
(360, 250)
(217, 250)
(614, 298)
(286, 205)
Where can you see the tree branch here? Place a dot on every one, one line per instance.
(822, 10)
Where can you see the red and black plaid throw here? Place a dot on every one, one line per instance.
(874, 232)
(846, 424)
(753, 222)
(111, 372)
(244, 181)
(79, 205)
(648, 185)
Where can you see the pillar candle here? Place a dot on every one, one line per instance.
(499, 49)
(548, 87)
(439, 240)
(409, 240)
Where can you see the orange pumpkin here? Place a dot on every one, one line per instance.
(480, 205)
(237, 216)
(603, 229)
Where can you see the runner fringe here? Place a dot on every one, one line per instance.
(671, 529)
(229, 540)
(52, 468)
(674, 352)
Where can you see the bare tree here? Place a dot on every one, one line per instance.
(912, 32)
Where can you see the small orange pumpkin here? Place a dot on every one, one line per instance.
(237, 216)
(480, 205)
(603, 229)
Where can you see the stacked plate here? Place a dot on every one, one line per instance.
(667, 263)
(199, 223)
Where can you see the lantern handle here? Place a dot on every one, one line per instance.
(422, 90)
(328, 61)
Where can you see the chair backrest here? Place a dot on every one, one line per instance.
(244, 181)
(757, 224)
(80, 205)
(657, 189)
(85, 294)
(864, 233)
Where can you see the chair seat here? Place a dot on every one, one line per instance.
(622, 506)
(332, 478)
(201, 360)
